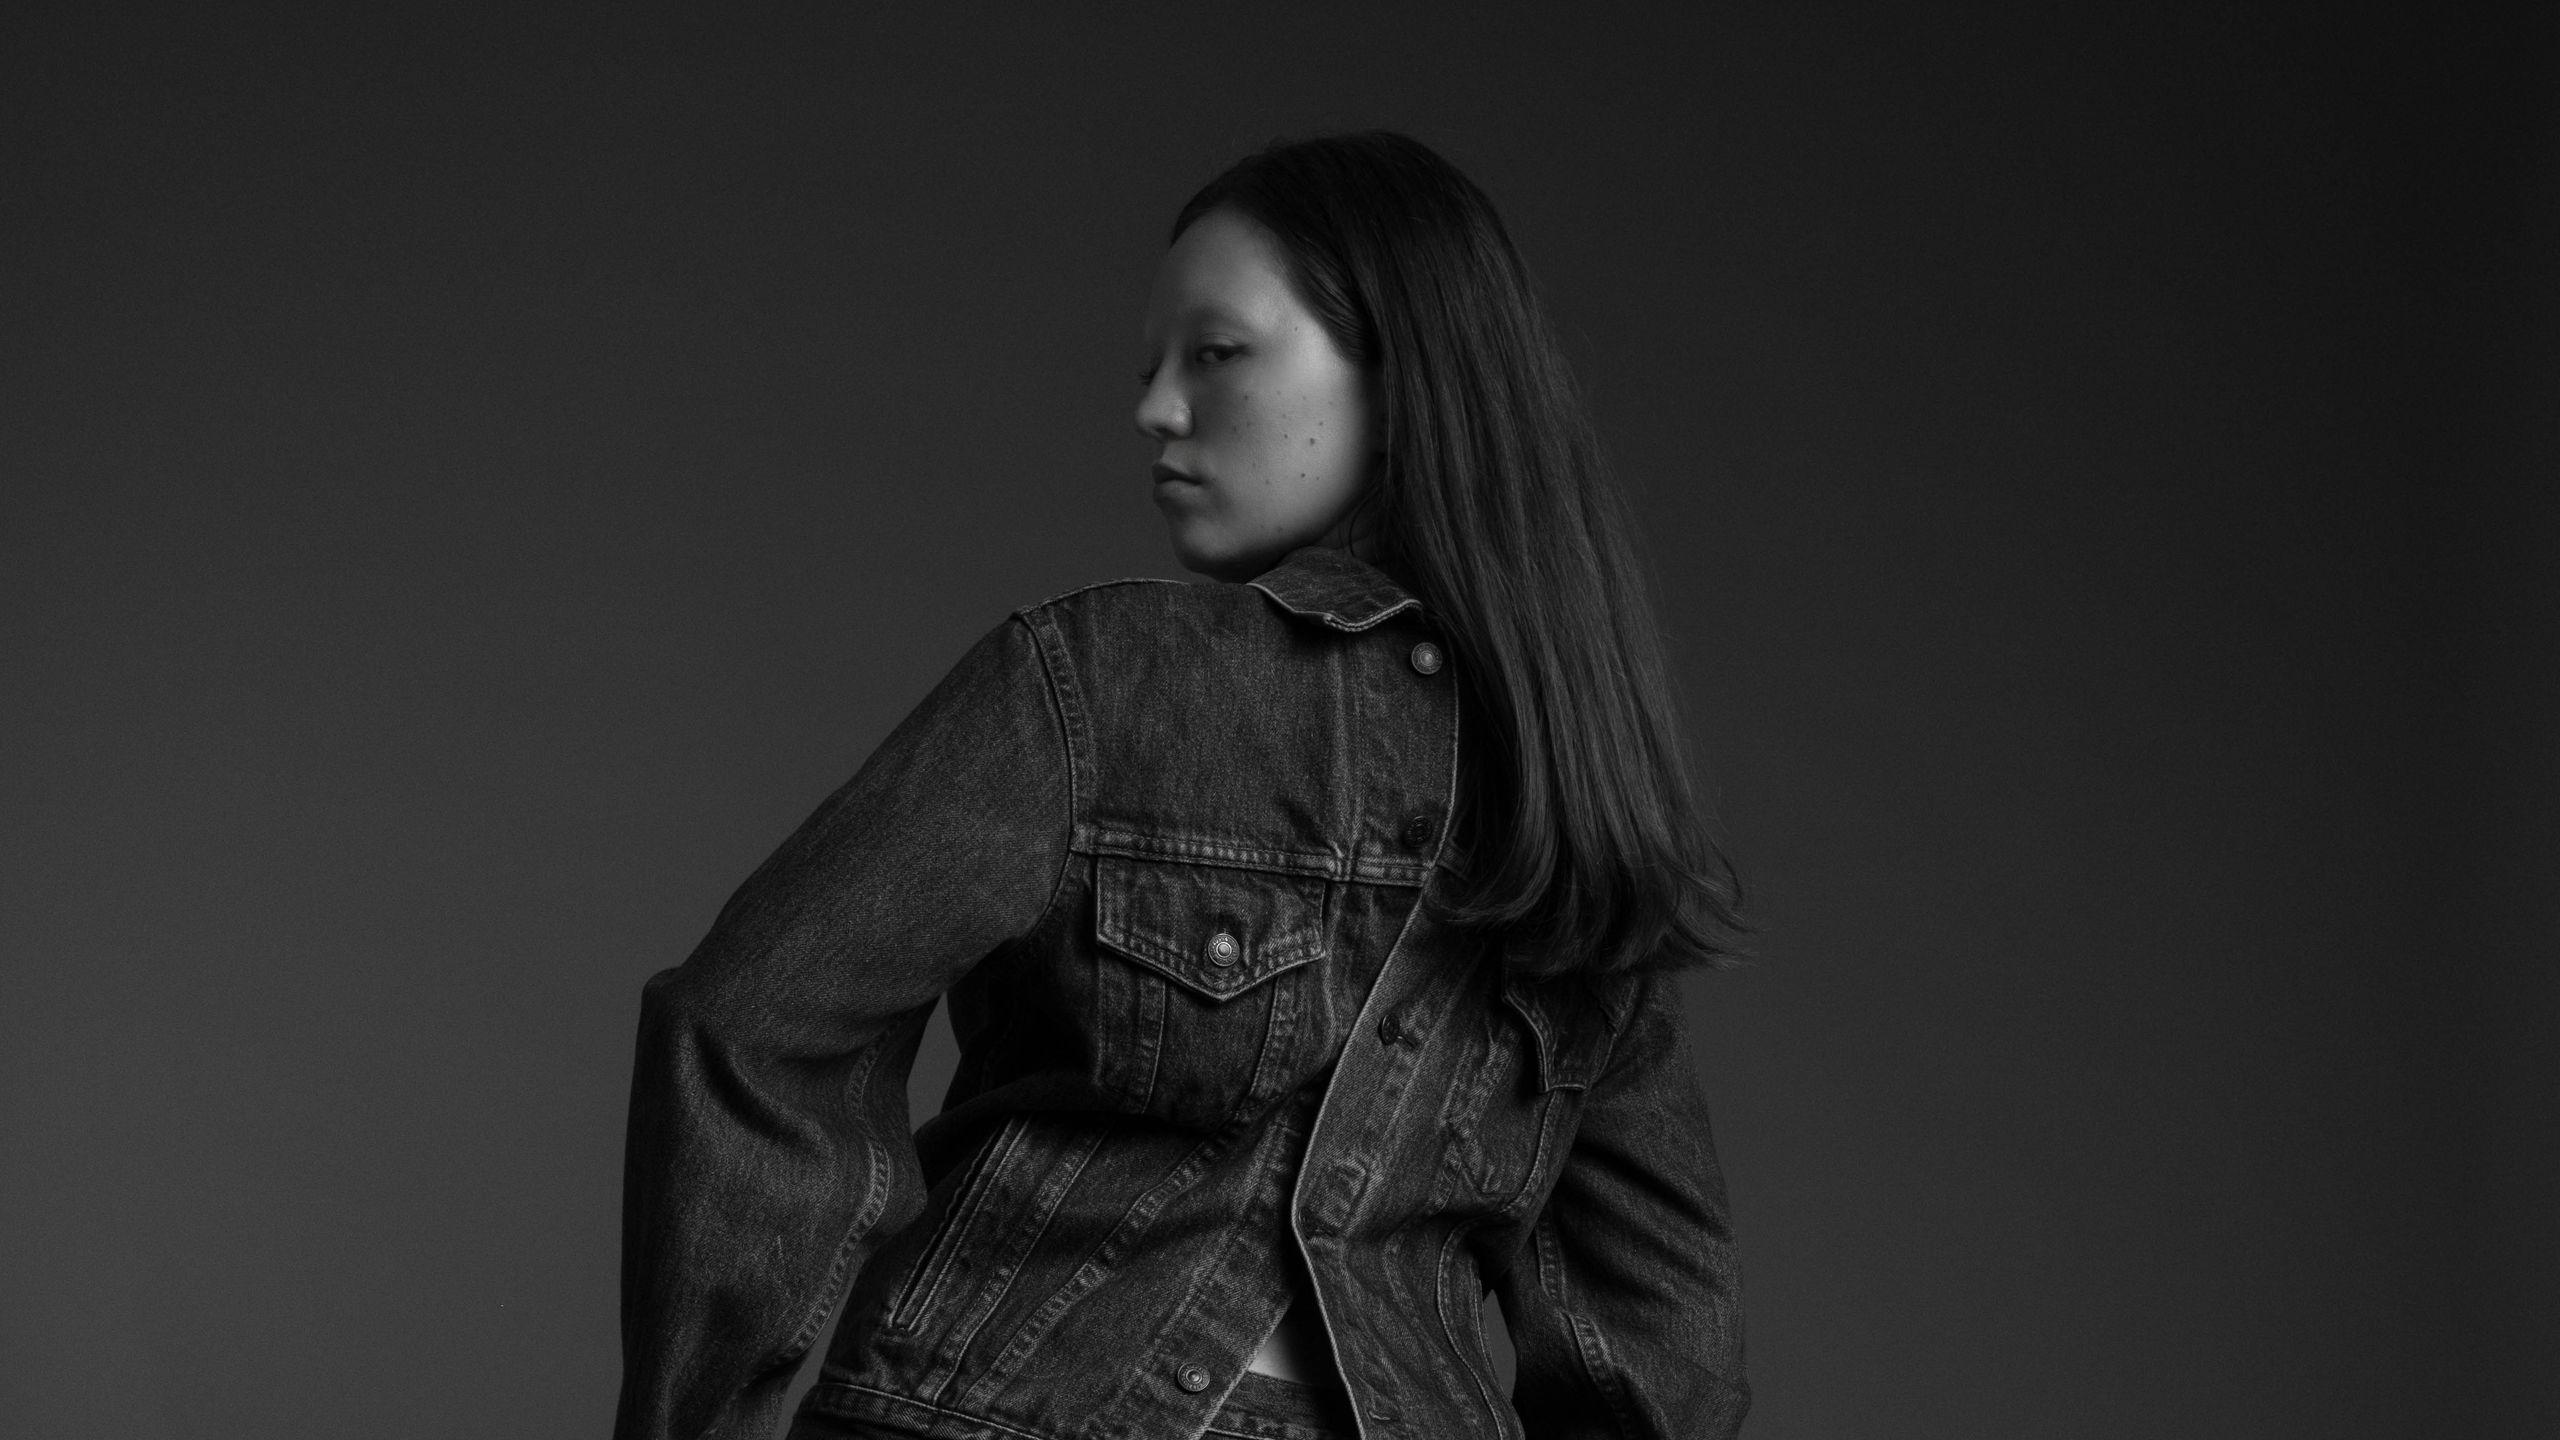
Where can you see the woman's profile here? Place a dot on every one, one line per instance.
(1309, 933)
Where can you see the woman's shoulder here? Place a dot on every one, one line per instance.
(1315, 585)
(1134, 654)
(1109, 595)
(1134, 608)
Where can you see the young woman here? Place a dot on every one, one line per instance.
(1308, 937)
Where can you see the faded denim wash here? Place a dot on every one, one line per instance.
(1163, 846)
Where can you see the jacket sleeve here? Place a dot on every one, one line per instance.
(769, 1148)
(1625, 1311)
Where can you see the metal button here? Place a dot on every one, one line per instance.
(1426, 658)
(1417, 832)
(1192, 1378)
(1223, 949)
(1390, 1029)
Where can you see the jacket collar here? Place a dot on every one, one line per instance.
(1334, 587)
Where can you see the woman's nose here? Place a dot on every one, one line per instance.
(1162, 412)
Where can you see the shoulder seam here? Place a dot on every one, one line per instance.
(1099, 585)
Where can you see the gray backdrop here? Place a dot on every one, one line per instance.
(472, 484)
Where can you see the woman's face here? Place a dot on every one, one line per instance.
(1264, 428)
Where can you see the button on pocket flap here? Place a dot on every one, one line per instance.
(1573, 1024)
(1216, 930)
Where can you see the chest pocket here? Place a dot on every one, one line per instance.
(1205, 985)
(1537, 1046)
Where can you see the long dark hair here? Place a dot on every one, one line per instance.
(1583, 845)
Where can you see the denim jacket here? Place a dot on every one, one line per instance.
(1164, 846)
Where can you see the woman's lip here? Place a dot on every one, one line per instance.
(1166, 474)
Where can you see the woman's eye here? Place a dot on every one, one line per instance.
(1216, 354)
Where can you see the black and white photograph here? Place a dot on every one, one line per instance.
(1000, 721)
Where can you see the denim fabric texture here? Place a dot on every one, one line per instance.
(1263, 1408)
(1163, 846)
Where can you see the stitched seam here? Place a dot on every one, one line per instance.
(1104, 585)
(1466, 1362)
(1332, 620)
(1048, 1196)
(1226, 1136)
(1131, 1229)
(1223, 853)
(916, 1296)
(1104, 840)
(1547, 1126)
(914, 1404)
(875, 1199)
(1463, 1113)
(1152, 957)
(1589, 1347)
(1118, 927)
(1058, 707)
(999, 1371)
(1605, 1380)
(1386, 970)
(1155, 1049)
(1345, 688)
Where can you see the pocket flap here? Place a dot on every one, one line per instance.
(1216, 930)
(1574, 1022)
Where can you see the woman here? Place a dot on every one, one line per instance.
(1307, 939)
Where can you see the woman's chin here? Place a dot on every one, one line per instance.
(1220, 569)
(1203, 555)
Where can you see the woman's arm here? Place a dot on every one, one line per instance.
(1624, 1310)
(769, 1147)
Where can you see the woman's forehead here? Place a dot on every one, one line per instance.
(1224, 268)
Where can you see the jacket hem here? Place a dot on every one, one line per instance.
(844, 1400)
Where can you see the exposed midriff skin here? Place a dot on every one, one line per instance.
(1297, 1350)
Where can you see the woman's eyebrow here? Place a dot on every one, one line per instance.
(1216, 313)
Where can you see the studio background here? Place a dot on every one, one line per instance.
(473, 484)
